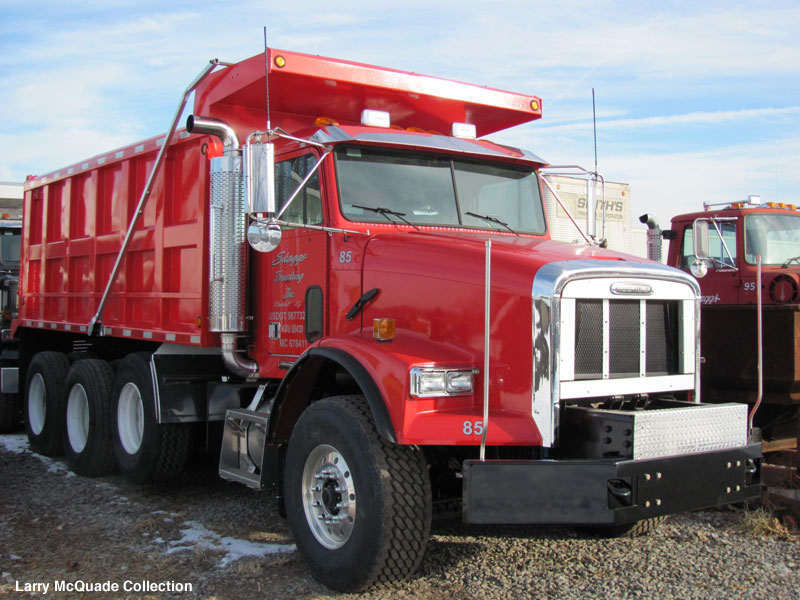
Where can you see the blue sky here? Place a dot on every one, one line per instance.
(695, 100)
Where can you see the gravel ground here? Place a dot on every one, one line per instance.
(228, 542)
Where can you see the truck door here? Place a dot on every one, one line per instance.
(295, 277)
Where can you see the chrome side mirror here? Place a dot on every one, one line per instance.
(700, 237)
(264, 237)
(260, 165)
(698, 267)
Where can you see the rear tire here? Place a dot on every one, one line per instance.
(146, 451)
(44, 397)
(358, 506)
(77, 355)
(87, 418)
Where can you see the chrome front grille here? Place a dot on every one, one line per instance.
(625, 338)
(609, 328)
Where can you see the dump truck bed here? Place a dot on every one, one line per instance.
(75, 222)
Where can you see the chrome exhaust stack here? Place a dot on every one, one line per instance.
(227, 243)
(653, 237)
(211, 126)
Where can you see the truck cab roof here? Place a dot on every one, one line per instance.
(304, 89)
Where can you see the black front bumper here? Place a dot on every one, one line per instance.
(607, 491)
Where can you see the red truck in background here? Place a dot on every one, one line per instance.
(720, 246)
(362, 291)
(10, 238)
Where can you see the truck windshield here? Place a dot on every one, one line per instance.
(775, 236)
(9, 247)
(427, 189)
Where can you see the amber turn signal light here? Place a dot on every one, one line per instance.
(383, 329)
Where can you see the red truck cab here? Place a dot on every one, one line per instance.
(737, 234)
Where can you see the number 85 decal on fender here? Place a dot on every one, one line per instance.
(473, 428)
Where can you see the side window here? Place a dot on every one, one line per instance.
(722, 254)
(307, 205)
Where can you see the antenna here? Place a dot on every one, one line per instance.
(266, 76)
(594, 127)
(596, 175)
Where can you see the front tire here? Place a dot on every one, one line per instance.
(358, 506)
(631, 530)
(44, 397)
(87, 434)
(146, 451)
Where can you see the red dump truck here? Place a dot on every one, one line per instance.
(333, 263)
(721, 246)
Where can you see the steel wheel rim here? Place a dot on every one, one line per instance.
(130, 418)
(329, 496)
(77, 418)
(37, 404)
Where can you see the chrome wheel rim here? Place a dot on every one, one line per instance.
(77, 418)
(37, 404)
(130, 418)
(329, 496)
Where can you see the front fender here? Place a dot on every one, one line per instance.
(437, 421)
(381, 371)
(302, 376)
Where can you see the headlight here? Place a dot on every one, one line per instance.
(430, 382)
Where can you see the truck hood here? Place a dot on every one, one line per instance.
(434, 284)
(461, 256)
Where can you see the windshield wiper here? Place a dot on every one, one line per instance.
(492, 219)
(791, 260)
(385, 212)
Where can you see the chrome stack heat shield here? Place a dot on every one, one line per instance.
(227, 239)
(227, 244)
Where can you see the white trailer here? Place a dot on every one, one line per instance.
(613, 215)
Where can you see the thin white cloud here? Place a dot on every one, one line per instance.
(694, 118)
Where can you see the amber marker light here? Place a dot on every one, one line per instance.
(280, 61)
(535, 105)
(383, 329)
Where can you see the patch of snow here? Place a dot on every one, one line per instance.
(55, 466)
(106, 486)
(14, 442)
(18, 444)
(196, 533)
(168, 518)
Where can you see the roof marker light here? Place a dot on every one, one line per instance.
(465, 130)
(280, 61)
(375, 118)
